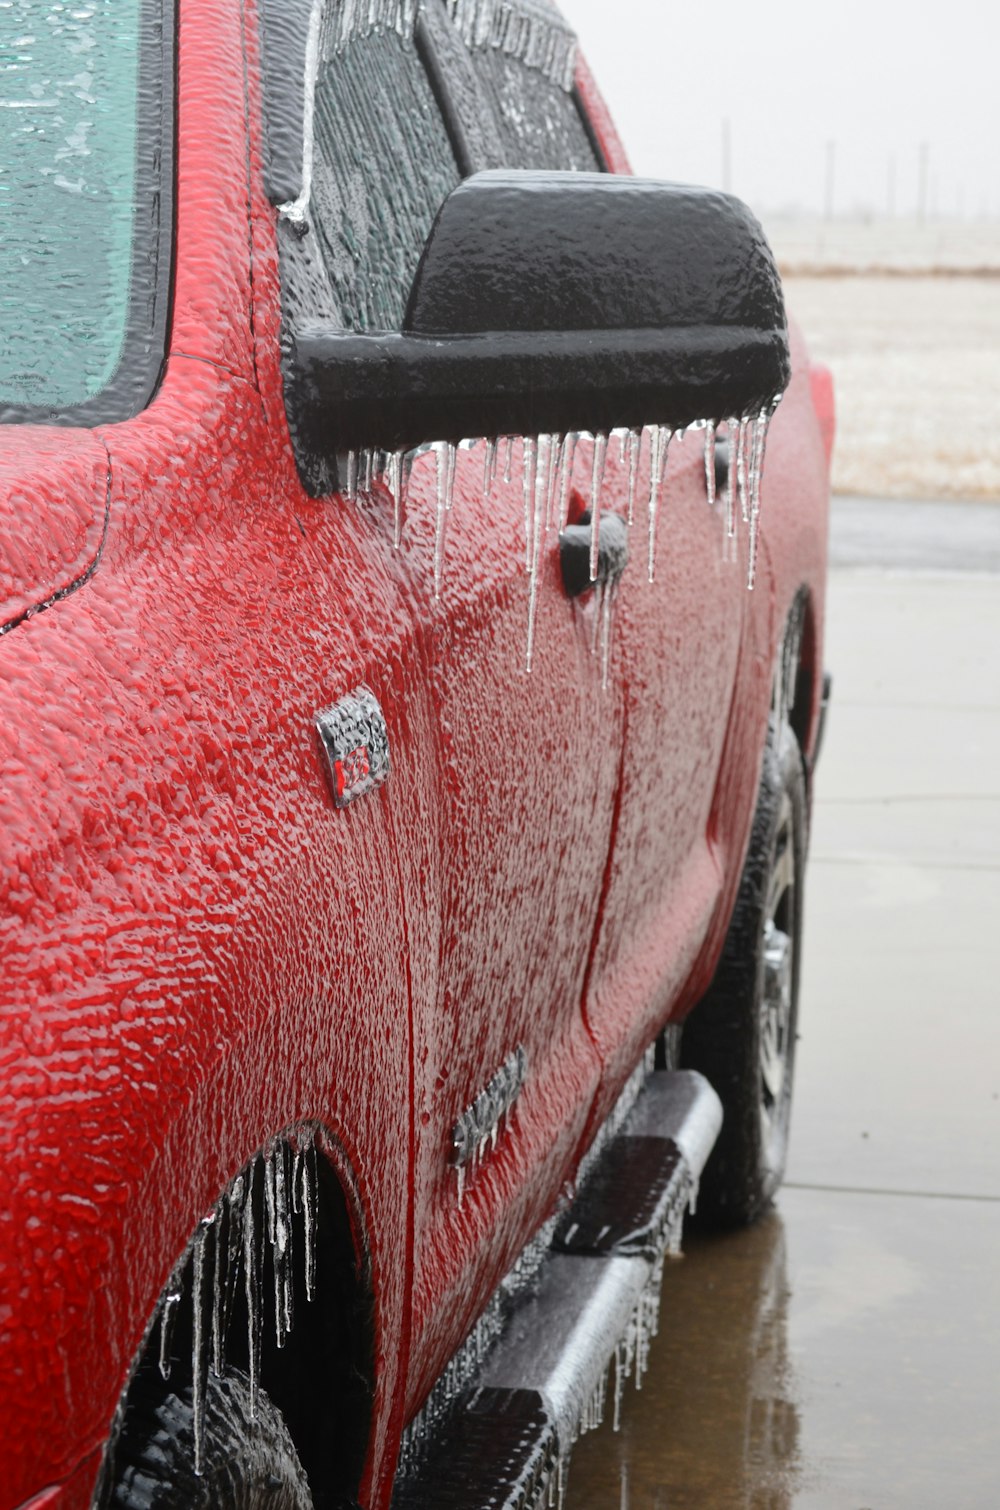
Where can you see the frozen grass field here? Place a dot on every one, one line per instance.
(908, 318)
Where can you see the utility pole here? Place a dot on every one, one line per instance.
(727, 156)
(922, 170)
(831, 159)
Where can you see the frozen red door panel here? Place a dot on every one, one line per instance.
(212, 315)
(53, 507)
(677, 643)
(503, 852)
(198, 948)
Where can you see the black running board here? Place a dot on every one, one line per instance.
(592, 1303)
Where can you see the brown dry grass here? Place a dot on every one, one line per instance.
(916, 363)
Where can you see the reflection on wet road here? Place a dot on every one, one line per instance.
(842, 1355)
(845, 1353)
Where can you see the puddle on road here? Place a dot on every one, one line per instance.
(842, 1355)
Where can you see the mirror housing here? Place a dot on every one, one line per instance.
(551, 302)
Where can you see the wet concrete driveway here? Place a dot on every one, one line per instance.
(845, 1353)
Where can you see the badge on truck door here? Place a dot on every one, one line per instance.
(355, 741)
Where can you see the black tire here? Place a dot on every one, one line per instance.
(247, 1464)
(741, 1036)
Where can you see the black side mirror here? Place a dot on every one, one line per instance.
(554, 302)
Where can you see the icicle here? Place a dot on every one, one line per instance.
(281, 1244)
(445, 490)
(537, 503)
(565, 478)
(543, 454)
(508, 465)
(489, 465)
(623, 1503)
(623, 436)
(619, 1384)
(396, 487)
(353, 20)
(710, 462)
(365, 461)
(660, 438)
(168, 1316)
(251, 1274)
(732, 426)
(199, 1362)
(229, 1215)
(760, 427)
(218, 1295)
(741, 467)
(351, 485)
(634, 448)
(296, 1182)
(528, 475)
(596, 490)
(555, 446)
(270, 1203)
(309, 1217)
(537, 41)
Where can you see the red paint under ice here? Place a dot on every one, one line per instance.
(199, 950)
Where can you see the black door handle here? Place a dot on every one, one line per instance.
(574, 553)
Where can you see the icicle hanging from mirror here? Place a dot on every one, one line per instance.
(547, 463)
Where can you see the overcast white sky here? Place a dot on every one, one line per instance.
(877, 77)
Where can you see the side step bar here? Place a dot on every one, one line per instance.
(593, 1301)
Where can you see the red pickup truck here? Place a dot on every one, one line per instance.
(411, 603)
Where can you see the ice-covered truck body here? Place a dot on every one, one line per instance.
(384, 713)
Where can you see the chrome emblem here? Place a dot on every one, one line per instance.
(355, 741)
(477, 1128)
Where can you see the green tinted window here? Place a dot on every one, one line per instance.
(69, 106)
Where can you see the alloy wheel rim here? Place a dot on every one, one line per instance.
(778, 990)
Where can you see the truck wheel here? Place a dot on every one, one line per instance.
(247, 1463)
(741, 1036)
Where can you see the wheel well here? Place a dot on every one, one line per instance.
(301, 1325)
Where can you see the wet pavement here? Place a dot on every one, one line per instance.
(845, 1353)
